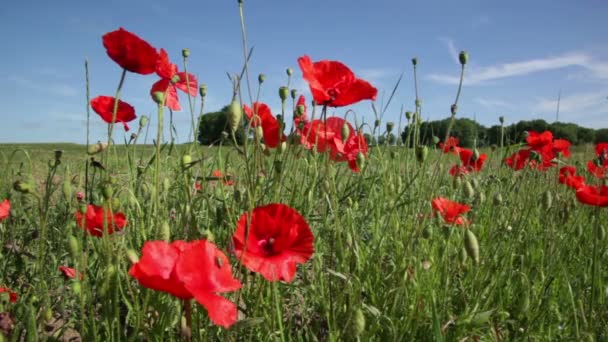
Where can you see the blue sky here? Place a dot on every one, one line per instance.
(522, 53)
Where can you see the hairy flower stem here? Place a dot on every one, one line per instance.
(190, 103)
(115, 110)
(244, 40)
(594, 264)
(455, 105)
(159, 136)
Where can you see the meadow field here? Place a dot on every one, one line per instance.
(303, 230)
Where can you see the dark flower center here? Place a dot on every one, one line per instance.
(267, 246)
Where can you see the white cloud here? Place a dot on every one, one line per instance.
(451, 48)
(495, 72)
(493, 103)
(586, 108)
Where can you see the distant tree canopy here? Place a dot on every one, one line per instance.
(212, 125)
(470, 132)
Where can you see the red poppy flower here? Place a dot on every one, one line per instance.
(5, 208)
(104, 107)
(69, 272)
(567, 176)
(592, 195)
(13, 297)
(598, 167)
(450, 145)
(171, 80)
(334, 84)
(277, 239)
(130, 52)
(562, 146)
(187, 270)
(450, 211)
(355, 145)
(537, 140)
(601, 150)
(93, 220)
(468, 159)
(300, 118)
(226, 180)
(261, 115)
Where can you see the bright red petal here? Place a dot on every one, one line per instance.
(221, 311)
(130, 52)
(164, 86)
(187, 83)
(5, 208)
(104, 107)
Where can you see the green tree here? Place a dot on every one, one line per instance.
(211, 126)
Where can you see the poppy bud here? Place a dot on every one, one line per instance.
(454, 109)
(289, 71)
(358, 323)
(186, 53)
(265, 149)
(234, 115)
(67, 188)
(77, 288)
(497, 200)
(74, 246)
(133, 136)
(436, 140)
(48, 314)
(143, 121)
(96, 148)
(83, 208)
(345, 132)
(501, 119)
(475, 183)
(463, 57)
(480, 198)
(202, 90)
(471, 245)
(294, 93)
(259, 133)
(422, 153)
(468, 190)
(462, 255)
(175, 79)
(376, 123)
(283, 146)
(165, 231)
(23, 187)
(107, 190)
(186, 161)
(456, 183)
(601, 233)
(158, 97)
(408, 116)
(547, 199)
(132, 256)
(389, 126)
(261, 78)
(283, 93)
(360, 160)
(414, 61)
(418, 103)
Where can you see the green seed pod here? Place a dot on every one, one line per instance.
(480, 198)
(468, 190)
(345, 132)
(389, 126)
(283, 93)
(547, 199)
(293, 94)
(165, 231)
(418, 103)
(77, 288)
(202, 90)
(414, 61)
(427, 232)
(96, 148)
(471, 245)
(261, 78)
(234, 115)
(436, 140)
(463, 57)
(408, 116)
(143, 121)
(132, 256)
(376, 123)
(357, 323)
(74, 247)
(159, 97)
(175, 79)
(67, 188)
(497, 199)
(289, 71)
(23, 187)
(422, 152)
(601, 233)
(456, 183)
(360, 160)
(501, 119)
(186, 161)
(48, 314)
(186, 53)
(300, 109)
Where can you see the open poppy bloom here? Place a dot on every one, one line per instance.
(261, 115)
(541, 152)
(130, 52)
(450, 211)
(104, 107)
(469, 163)
(272, 240)
(567, 176)
(93, 220)
(13, 297)
(450, 145)
(333, 84)
(226, 180)
(171, 80)
(69, 272)
(593, 195)
(5, 209)
(186, 270)
(599, 166)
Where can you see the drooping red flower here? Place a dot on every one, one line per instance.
(567, 176)
(13, 296)
(593, 195)
(272, 240)
(450, 211)
(93, 220)
(5, 209)
(70, 273)
(188, 270)
(130, 52)
(450, 145)
(601, 150)
(537, 140)
(334, 84)
(598, 167)
(104, 107)
(261, 115)
(171, 80)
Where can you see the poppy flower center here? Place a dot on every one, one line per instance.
(267, 246)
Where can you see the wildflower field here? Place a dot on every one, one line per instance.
(306, 231)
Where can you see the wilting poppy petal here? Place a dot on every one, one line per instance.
(591, 195)
(187, 83)
(93, 220)
(449, 210)
(164, 67)
(130, 52)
